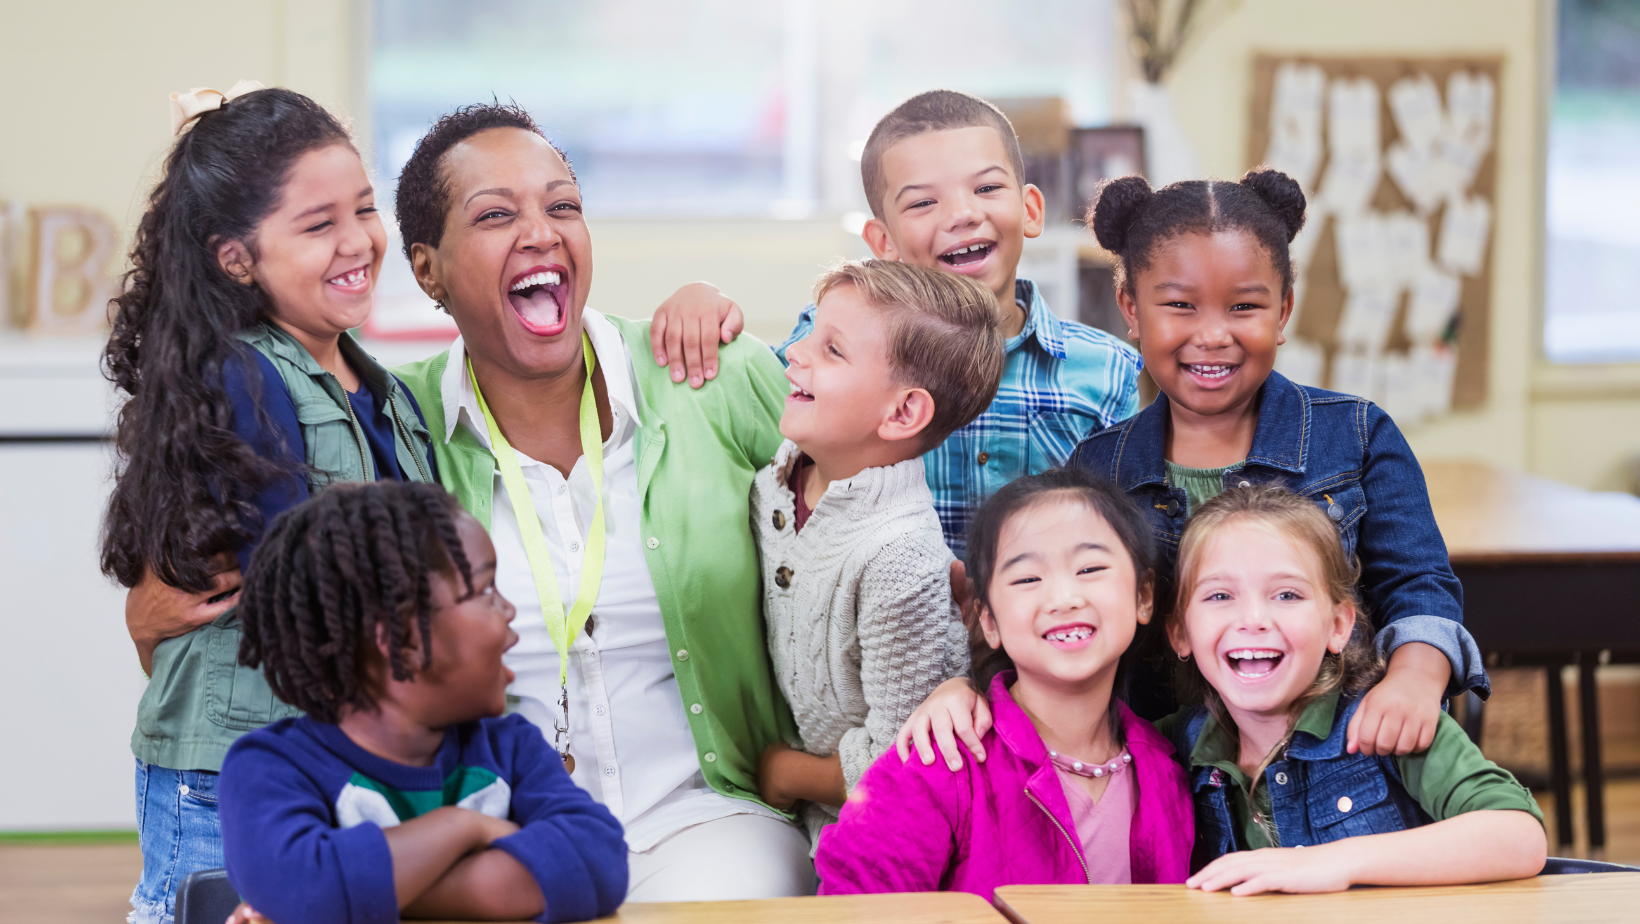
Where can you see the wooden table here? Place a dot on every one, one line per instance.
(904, 908)
(1585, 899)
(1551, 577)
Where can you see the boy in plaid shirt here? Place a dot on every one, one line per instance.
(944, 177)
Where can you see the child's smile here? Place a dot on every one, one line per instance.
(1209, 311)
(1259, 621)
(1064, 601)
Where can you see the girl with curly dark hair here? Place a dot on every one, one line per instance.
(259, 250)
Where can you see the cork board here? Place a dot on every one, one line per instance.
(1322, 291)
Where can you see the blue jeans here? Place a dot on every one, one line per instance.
(180, 833)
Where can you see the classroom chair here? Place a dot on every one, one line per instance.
(1559, 866)
(206, 897)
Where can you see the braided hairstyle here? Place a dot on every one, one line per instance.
(1130, 219)
(184, 482)
(335, 570)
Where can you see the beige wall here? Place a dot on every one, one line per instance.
(1576, 425)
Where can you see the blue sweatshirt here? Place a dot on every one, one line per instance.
(303, 809)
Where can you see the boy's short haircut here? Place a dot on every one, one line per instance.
(933, 111)
(943, 335)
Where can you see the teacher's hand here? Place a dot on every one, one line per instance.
(156, 611)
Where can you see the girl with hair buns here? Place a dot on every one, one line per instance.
(1204, 280)
(259, 250)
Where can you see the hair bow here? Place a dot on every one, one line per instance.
(186, 107)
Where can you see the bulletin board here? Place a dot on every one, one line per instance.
(1397, 157)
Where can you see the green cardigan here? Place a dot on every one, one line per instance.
(697, 452)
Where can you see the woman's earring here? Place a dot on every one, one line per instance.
(1184, 659)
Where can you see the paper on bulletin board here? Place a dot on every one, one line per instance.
(1394, 292)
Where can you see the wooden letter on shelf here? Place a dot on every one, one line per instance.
(69, 283)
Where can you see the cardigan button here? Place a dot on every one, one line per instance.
(710, 757)
(779, 520)
(683, 654)
(653, 543)
(783, 577)
(695, 708)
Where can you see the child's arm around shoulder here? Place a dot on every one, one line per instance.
(899, 831)
(1413, 595)
(571, 845)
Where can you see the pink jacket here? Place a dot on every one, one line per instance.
(911, 828)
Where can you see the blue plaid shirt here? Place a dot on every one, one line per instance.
(1063, 381)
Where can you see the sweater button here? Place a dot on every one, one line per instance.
(683, 654)
(984, 457)
(710, 757)
(695, 708)
(653, 543)
(783, 577)
(779, 520)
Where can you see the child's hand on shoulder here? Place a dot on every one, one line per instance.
(1400, 714)
(686, 328)
(953, 711)
(1274, 869)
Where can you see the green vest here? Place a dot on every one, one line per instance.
(200, 698)
(697, 452)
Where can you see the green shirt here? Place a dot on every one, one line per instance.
(697, 452)
(1200, 484)
(1449, 779)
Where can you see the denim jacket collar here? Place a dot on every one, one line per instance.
(1280, 441)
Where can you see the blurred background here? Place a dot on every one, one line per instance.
(720, 140)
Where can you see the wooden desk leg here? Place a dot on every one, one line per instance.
(1594, 777)
(1560, 770)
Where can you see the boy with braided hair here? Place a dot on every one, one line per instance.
(373, 608)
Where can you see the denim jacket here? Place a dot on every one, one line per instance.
(1346, 454)
(1319, 793)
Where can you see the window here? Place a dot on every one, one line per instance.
(1593, 260)
(748, 108)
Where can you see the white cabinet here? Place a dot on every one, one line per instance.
(69, 678)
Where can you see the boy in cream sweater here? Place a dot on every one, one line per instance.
(856, 587)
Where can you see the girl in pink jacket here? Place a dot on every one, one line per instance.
(1075, 788)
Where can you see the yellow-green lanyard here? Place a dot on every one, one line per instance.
(562, 628)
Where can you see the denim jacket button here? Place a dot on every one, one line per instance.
(1172, 507)
(1335, 511)
(1281, 779)
(1345, 804)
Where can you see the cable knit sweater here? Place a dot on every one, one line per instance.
(861, 622)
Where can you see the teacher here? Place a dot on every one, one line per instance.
(618, 503)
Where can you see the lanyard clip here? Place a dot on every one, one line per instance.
(560, 728)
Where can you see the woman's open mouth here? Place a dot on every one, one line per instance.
(1253, 663)
(538, 296)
